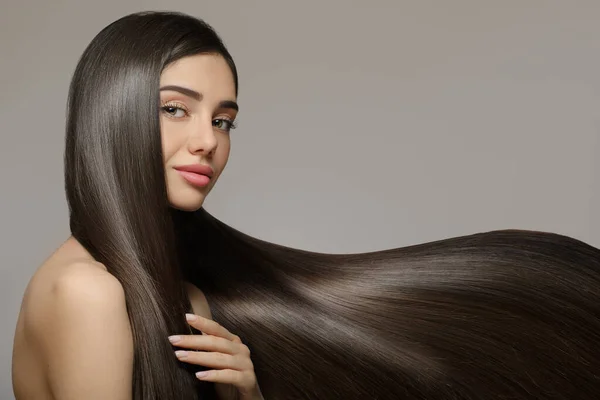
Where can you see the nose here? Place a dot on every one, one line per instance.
(202, 139)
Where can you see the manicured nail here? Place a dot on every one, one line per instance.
(202, 374)
(174, 339)
(181, 354)
(191, 317)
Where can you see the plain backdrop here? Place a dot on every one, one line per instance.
(363, 125)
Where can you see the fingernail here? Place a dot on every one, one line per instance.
(181, 354)
(191, 317)
(174, 339)
(202, 374)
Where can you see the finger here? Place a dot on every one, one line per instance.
(209, 327)
(207, 343)
(228, 376)
(214, 360)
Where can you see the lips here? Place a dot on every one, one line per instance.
(197, 169)
(196, 174)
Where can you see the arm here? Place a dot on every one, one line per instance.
(234, 379)
(83, 335)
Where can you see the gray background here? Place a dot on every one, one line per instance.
(362, 127)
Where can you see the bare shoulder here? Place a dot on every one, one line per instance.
(71, 276)
(79, 286)
(198, 300)
(73, 309)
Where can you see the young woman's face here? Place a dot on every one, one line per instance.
(198, 108)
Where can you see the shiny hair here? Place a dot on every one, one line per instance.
(506, 314)
(497, 315)
(115, 181)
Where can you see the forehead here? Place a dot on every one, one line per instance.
(205, 73)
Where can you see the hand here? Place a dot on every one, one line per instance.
(217, 348)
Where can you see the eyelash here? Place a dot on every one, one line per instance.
(165, 108)
(232, 125)
(175, 106)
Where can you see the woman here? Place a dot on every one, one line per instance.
(153, 100)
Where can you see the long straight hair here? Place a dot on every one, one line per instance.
(498, 315)
(115, 181)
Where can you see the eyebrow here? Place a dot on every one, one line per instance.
(185, 91)
(198, 96)
(229, 104)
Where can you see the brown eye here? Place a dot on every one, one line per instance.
(174, 111)
(223, 124)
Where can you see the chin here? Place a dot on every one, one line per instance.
(184, 197)
(187, 203)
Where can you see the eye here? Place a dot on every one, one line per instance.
(223, 124)
(174, 111)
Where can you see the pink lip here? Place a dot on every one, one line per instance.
(196, 174)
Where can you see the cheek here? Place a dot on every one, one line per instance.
(223, 150)
(170, 143)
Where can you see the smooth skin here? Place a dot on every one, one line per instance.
(73, 339)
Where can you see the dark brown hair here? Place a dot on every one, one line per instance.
(115, 181)
(498, 315)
